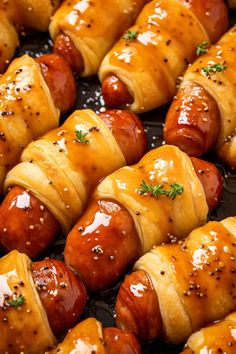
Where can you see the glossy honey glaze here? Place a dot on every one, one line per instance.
(166, 34)
(23, 322)
(86, 337)
(89, 153)
(157, 218)
(221, 83)
(217, 338)
(204, 267)
(20, 119)
(93, 27)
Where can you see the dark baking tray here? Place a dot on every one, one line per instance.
(89, 96)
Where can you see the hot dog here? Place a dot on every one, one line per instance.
(142, 316)
(202, 115)
(60, 80)
(105, 241)
(25, 219)
(63, 295)
(128, 132)
(184, 285)
(39, 302)
(115, 92)
(27, 224)
(119, 72)
(122, 342)
(64, 46)
(193, 121)
(89, 336)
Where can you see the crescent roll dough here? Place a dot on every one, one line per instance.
(221, 86)
(26, 110)
(94, 26)
(194, 280)
(23, 328)
(61, 171)
(86, 337)
(156, 219)
(217, 338)
(151, 62)
(8, 41)
(34, 14)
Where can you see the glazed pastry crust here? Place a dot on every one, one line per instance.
(27, 326)
(221, 86)
(156, 219)
(86, 337)
(61, 171)
(26, 110)
(215, 337)
(93, 27)
(8, 41)
(159, 40)
(30, 13)
(193, 280)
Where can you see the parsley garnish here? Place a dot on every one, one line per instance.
(201, 48)
(216, 68)
(81, 137)
(130, 35)
(18, 301)
(157, 190)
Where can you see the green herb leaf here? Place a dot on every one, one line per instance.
(18, 301)
(157, 190)
(176, 189)
(81, 137)
(214, 68)
(202, 48)
(130, 35)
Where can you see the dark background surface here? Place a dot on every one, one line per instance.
(102, 305)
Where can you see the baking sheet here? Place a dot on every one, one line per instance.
(89, 96)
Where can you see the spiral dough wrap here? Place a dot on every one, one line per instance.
(28, 322)
(218, 337)
(220, 85)
(156, 219)
(21, 120)
(94, 27)
(61, 170)
(195, 280)
(30, 13)
(158, 40)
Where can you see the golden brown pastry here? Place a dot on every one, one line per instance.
(26, 224)
(153, 53)
(27, 110)
(89, 337)
(93, 27)
(189, 284)
(8, 41)
(196, 124)
(34, 297)
(217, 338)
(30, 13)
(63, 167)
(163, 197)
(26, 324)
(157, 218)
